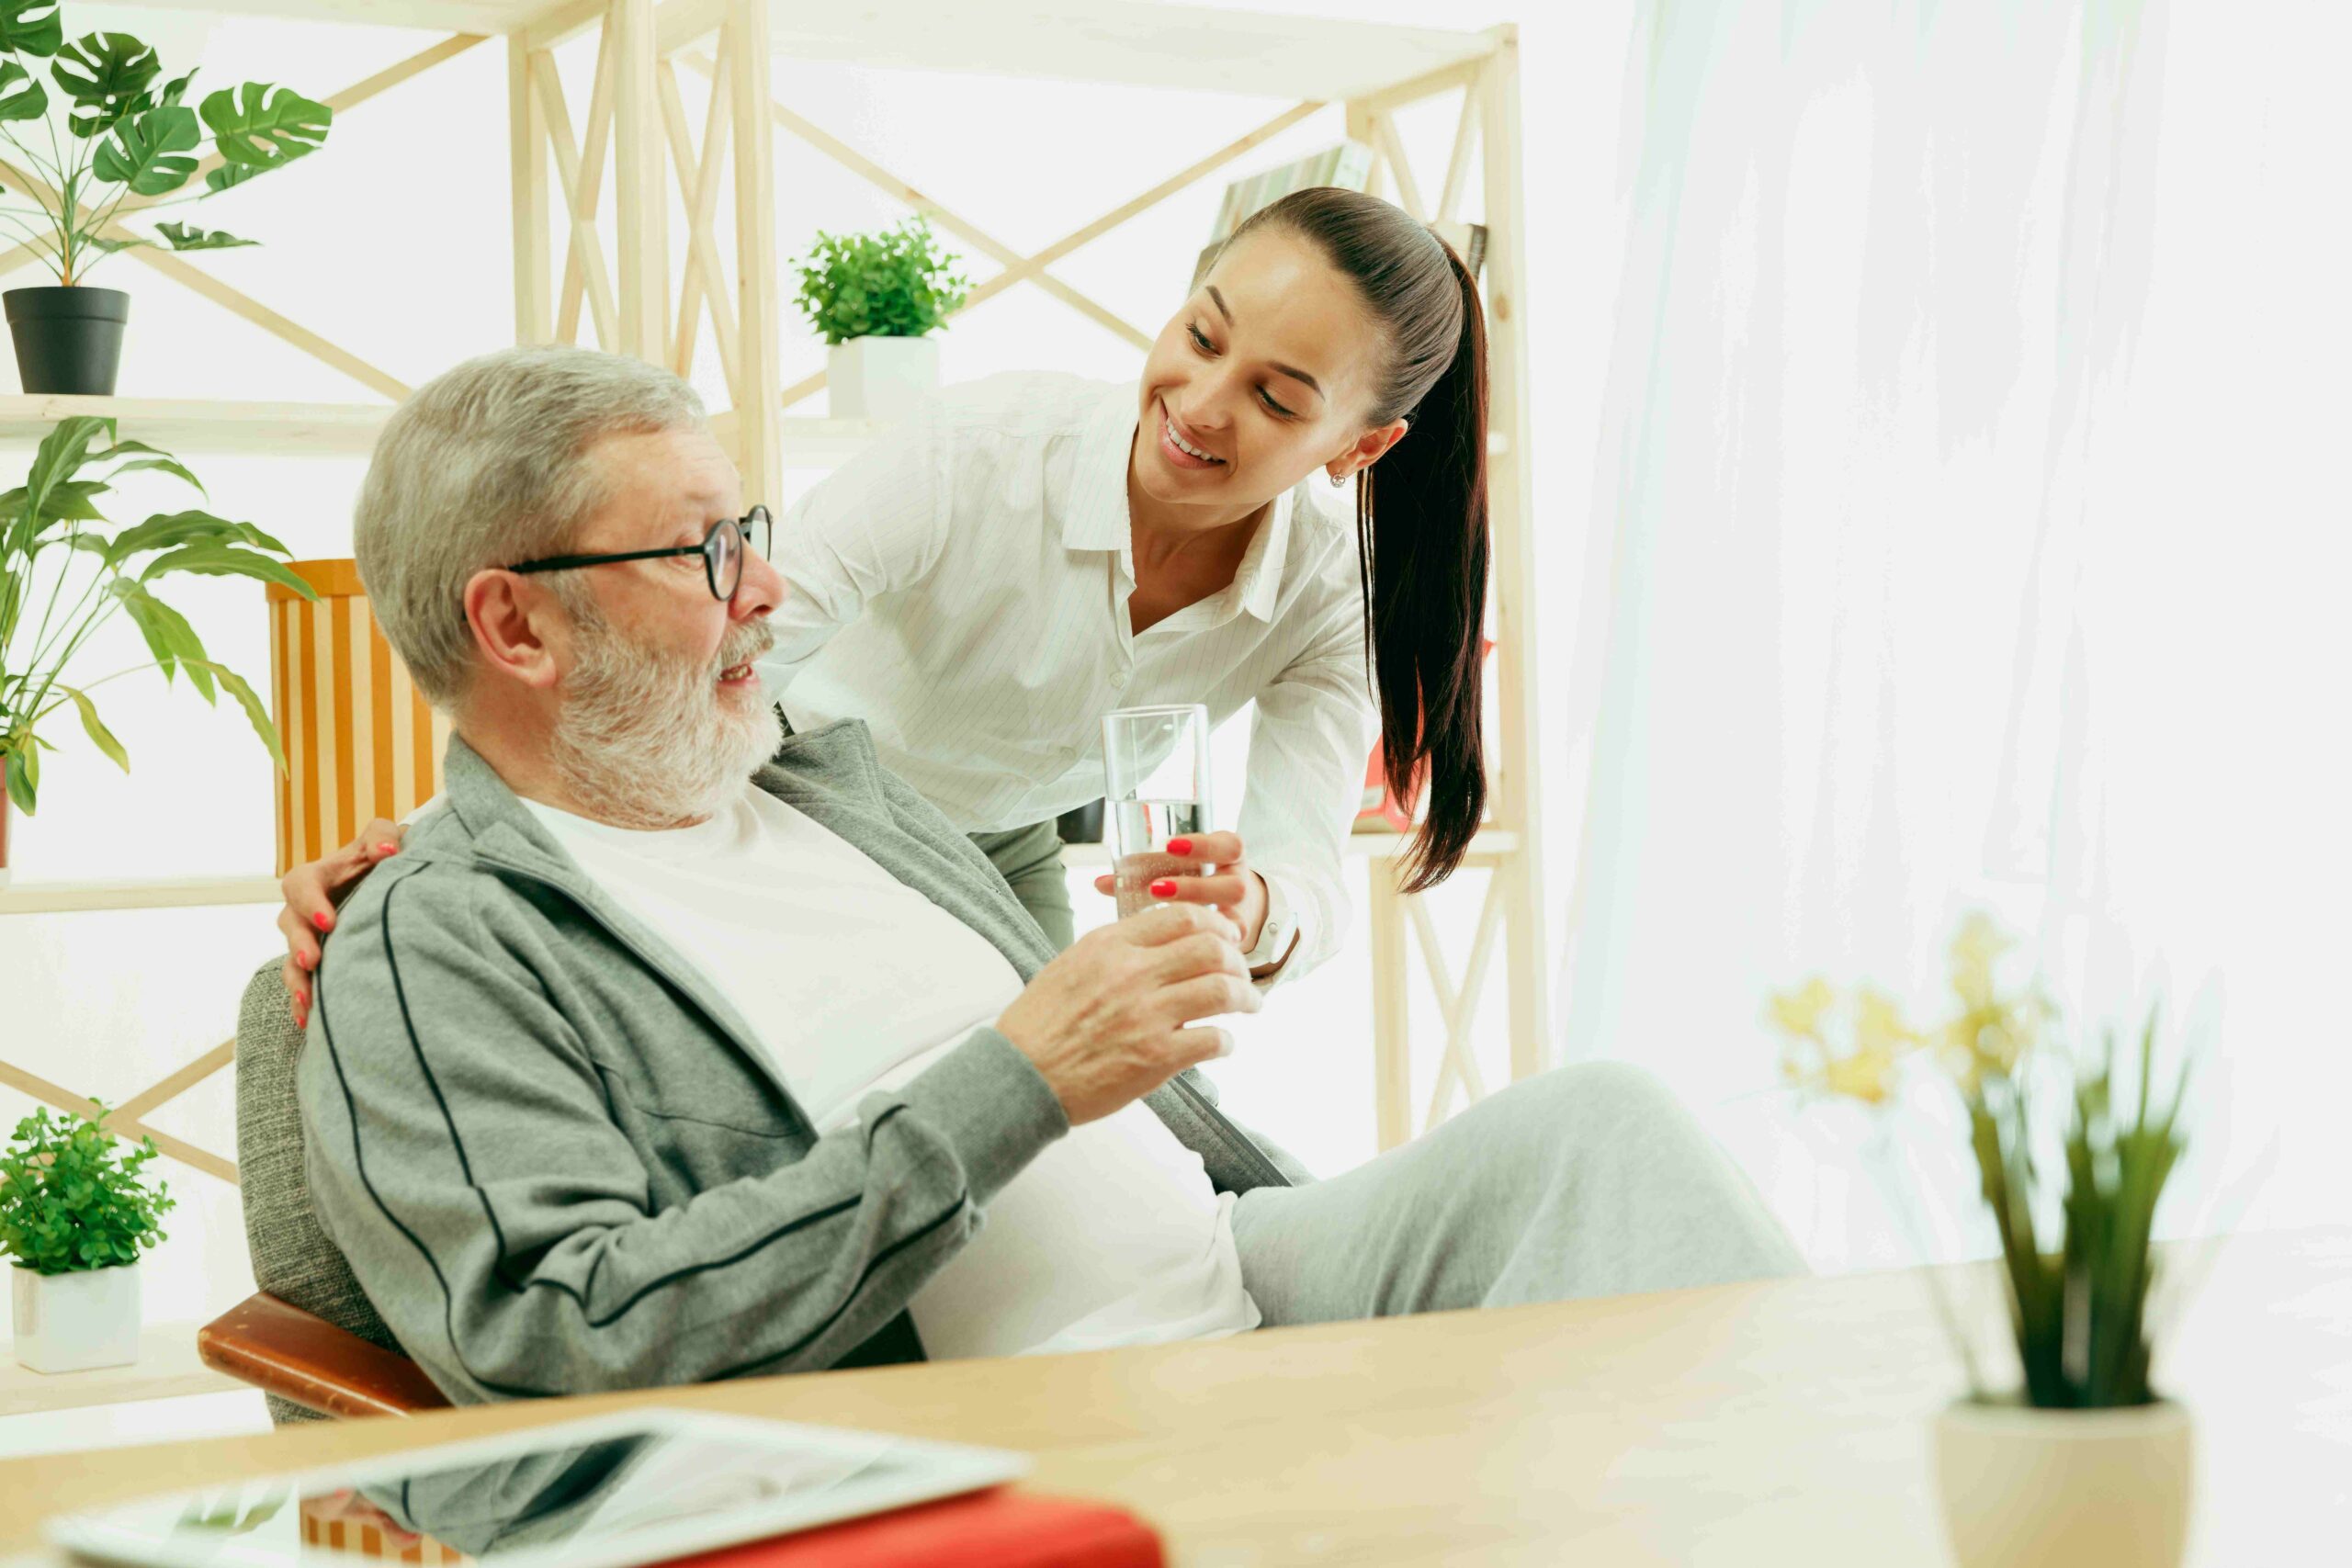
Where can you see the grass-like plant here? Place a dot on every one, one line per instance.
(72, 1199)
(126, 133)
(898, 283)
(61, 580)
(2078, 1295)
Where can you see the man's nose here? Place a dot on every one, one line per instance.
(760, 591)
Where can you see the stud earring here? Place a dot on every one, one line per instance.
(1338, 480)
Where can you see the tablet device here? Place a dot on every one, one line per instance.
(610, 1491)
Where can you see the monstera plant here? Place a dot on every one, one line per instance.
(107, 136)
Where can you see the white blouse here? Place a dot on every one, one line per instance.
(962, 586)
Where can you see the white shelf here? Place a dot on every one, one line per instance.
(199, 424)
(167, 1367)
(805, 440)
(183, 893)
(1130, 41)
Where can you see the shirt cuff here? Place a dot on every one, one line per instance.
(1277, 936)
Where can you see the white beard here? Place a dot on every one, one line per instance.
(646, 740)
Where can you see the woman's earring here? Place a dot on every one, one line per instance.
(1338, 480)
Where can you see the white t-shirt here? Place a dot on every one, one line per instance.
(852, 981)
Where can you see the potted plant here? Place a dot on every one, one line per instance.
(75, 1216)
(874, 298)
(62, 579)
(2082, 1460)
(126, 134)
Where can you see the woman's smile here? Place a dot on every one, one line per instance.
(1181, 449)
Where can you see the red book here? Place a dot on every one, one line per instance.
(1001, 1528)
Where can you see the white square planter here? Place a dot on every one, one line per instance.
(880, 378)
(70, 1323)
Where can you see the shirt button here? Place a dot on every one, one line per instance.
(1119, 678)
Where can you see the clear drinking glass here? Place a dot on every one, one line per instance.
(1156, 778)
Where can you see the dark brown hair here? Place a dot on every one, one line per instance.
(1421, 540)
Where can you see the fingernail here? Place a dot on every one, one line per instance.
(1180, 846)
(306, 961)
(387, 849)
(1163, 889)
(323, 920)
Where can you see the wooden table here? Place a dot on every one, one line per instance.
(1747, 1425)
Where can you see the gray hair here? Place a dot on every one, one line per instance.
(484, 466)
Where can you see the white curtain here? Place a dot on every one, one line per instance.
(1969, 529)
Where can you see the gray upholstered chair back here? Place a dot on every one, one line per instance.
(293, 1259)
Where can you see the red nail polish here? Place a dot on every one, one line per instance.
(1180, 846)
(306, 961)
(387, 849)
(1163, 889)
(323, 920)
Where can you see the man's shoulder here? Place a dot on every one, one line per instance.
(435, 886)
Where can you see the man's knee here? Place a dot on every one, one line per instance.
(1608, 1097)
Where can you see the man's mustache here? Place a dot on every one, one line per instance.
(744, 644)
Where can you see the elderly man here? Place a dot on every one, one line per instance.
(677, 1047)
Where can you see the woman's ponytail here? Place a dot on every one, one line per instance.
(1422, 535)
(1421, 531)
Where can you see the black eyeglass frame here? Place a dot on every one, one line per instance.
(712, 550)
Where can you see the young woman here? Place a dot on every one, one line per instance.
(1035, 550)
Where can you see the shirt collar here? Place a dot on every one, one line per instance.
(1258, 578)
(1095, 517)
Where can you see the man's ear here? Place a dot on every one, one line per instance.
(517, 627)
(1368, 449)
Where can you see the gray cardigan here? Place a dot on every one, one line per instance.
(557, 1159)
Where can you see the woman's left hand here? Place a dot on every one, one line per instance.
(1232, 886)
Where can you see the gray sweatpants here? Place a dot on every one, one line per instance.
(1588, 1180)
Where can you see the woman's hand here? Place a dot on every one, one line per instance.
(312, 893)
(1232, 886)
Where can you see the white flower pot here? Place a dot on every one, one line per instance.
(2025, 1488)
(880, 378)
(70, 1323)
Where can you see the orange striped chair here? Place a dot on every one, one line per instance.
(359, 741)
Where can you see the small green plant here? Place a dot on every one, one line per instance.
(126, 134)
(2078, 1297)
(70, 1199)
(893, 284)
(61, 580)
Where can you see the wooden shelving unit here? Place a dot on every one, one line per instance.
(633, 128)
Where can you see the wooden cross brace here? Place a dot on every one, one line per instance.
(128, 1118)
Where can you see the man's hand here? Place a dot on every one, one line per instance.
(1216, 875)
(1104, 1023)
(313, 891)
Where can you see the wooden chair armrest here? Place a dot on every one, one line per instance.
(303, 1359)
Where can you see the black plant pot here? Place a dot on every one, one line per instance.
(68, 340)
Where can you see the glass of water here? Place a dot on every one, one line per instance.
(1156, 768)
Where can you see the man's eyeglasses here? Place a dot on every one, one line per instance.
(721, 550)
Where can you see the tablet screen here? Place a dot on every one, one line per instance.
(615, 1492)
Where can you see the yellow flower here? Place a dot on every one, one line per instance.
(1799, 1012)
(1977, 945)
(1867, 1075)
(1878, 1023)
